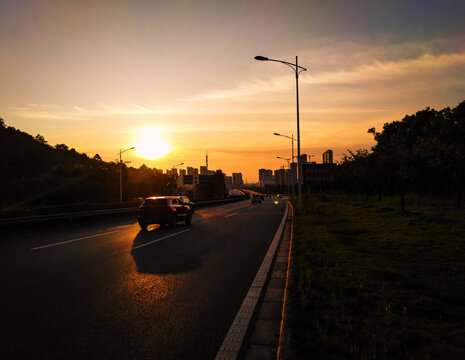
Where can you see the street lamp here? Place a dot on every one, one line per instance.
(175, 175)
(279, 157)
(121, 175)
(175, 166)
(288, 174)
(297, 70)
(292, 141)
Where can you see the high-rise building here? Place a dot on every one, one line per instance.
(192, 171)
(265, 177)
(182, 172)
(203, 170)
(228, 182)
(172, 172)
(303, 158)
(237, 180)
(328, 157)
(280, 176)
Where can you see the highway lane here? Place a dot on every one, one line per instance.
(108, 290)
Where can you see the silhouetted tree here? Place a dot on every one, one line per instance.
(39, 138)
(61, 147)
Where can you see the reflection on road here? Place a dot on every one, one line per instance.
(170, 254)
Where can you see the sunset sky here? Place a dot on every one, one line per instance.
(94, 74)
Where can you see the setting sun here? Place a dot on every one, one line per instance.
(151, 145)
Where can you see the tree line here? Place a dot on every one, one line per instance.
(424, 153)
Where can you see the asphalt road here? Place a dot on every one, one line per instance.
(106, 290)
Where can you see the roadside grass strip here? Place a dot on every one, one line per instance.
(372, 283)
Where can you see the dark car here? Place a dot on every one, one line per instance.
(187, 201)
(163, 210)
(256, 199)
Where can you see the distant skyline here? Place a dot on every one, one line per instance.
(93, 74)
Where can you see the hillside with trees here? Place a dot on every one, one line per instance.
(36, 177)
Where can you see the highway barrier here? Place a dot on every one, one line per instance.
(83, 215)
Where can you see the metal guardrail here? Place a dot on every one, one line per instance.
(73, 216)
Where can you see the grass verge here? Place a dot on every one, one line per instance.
(373, 284)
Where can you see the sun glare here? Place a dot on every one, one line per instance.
(151, 145)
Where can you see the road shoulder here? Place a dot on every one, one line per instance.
(270, 336)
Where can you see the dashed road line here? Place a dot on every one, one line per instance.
(74, 240)
(230, 215)
(160, 239)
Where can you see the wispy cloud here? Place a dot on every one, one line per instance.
(77, 113)
(245, 89)
(425, 64)
(447, 68)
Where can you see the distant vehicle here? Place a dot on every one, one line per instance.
(262, 197)
(163, 210)
(256, 199)
(278, 195)
(187, 201)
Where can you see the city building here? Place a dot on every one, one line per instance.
(328, 157)
(237, 180)
(303, 158)
(182, 172)
(172, 172)
(203, 170)
(280, 176)
(265, 177)
(228, 182)
(192, 171)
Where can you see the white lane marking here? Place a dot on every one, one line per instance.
(73, 240)
(230, 215)
(163, 238)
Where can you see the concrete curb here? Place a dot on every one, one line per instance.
(246, 325)
(269, 338)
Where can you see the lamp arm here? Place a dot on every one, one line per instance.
(294, 66)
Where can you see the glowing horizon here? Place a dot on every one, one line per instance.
(75, 72)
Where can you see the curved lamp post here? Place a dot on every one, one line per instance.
(297, 70)
(175, 177)
(288, 174)
(175, 166)
(292, 139)
(290, 177)
(121, 175)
